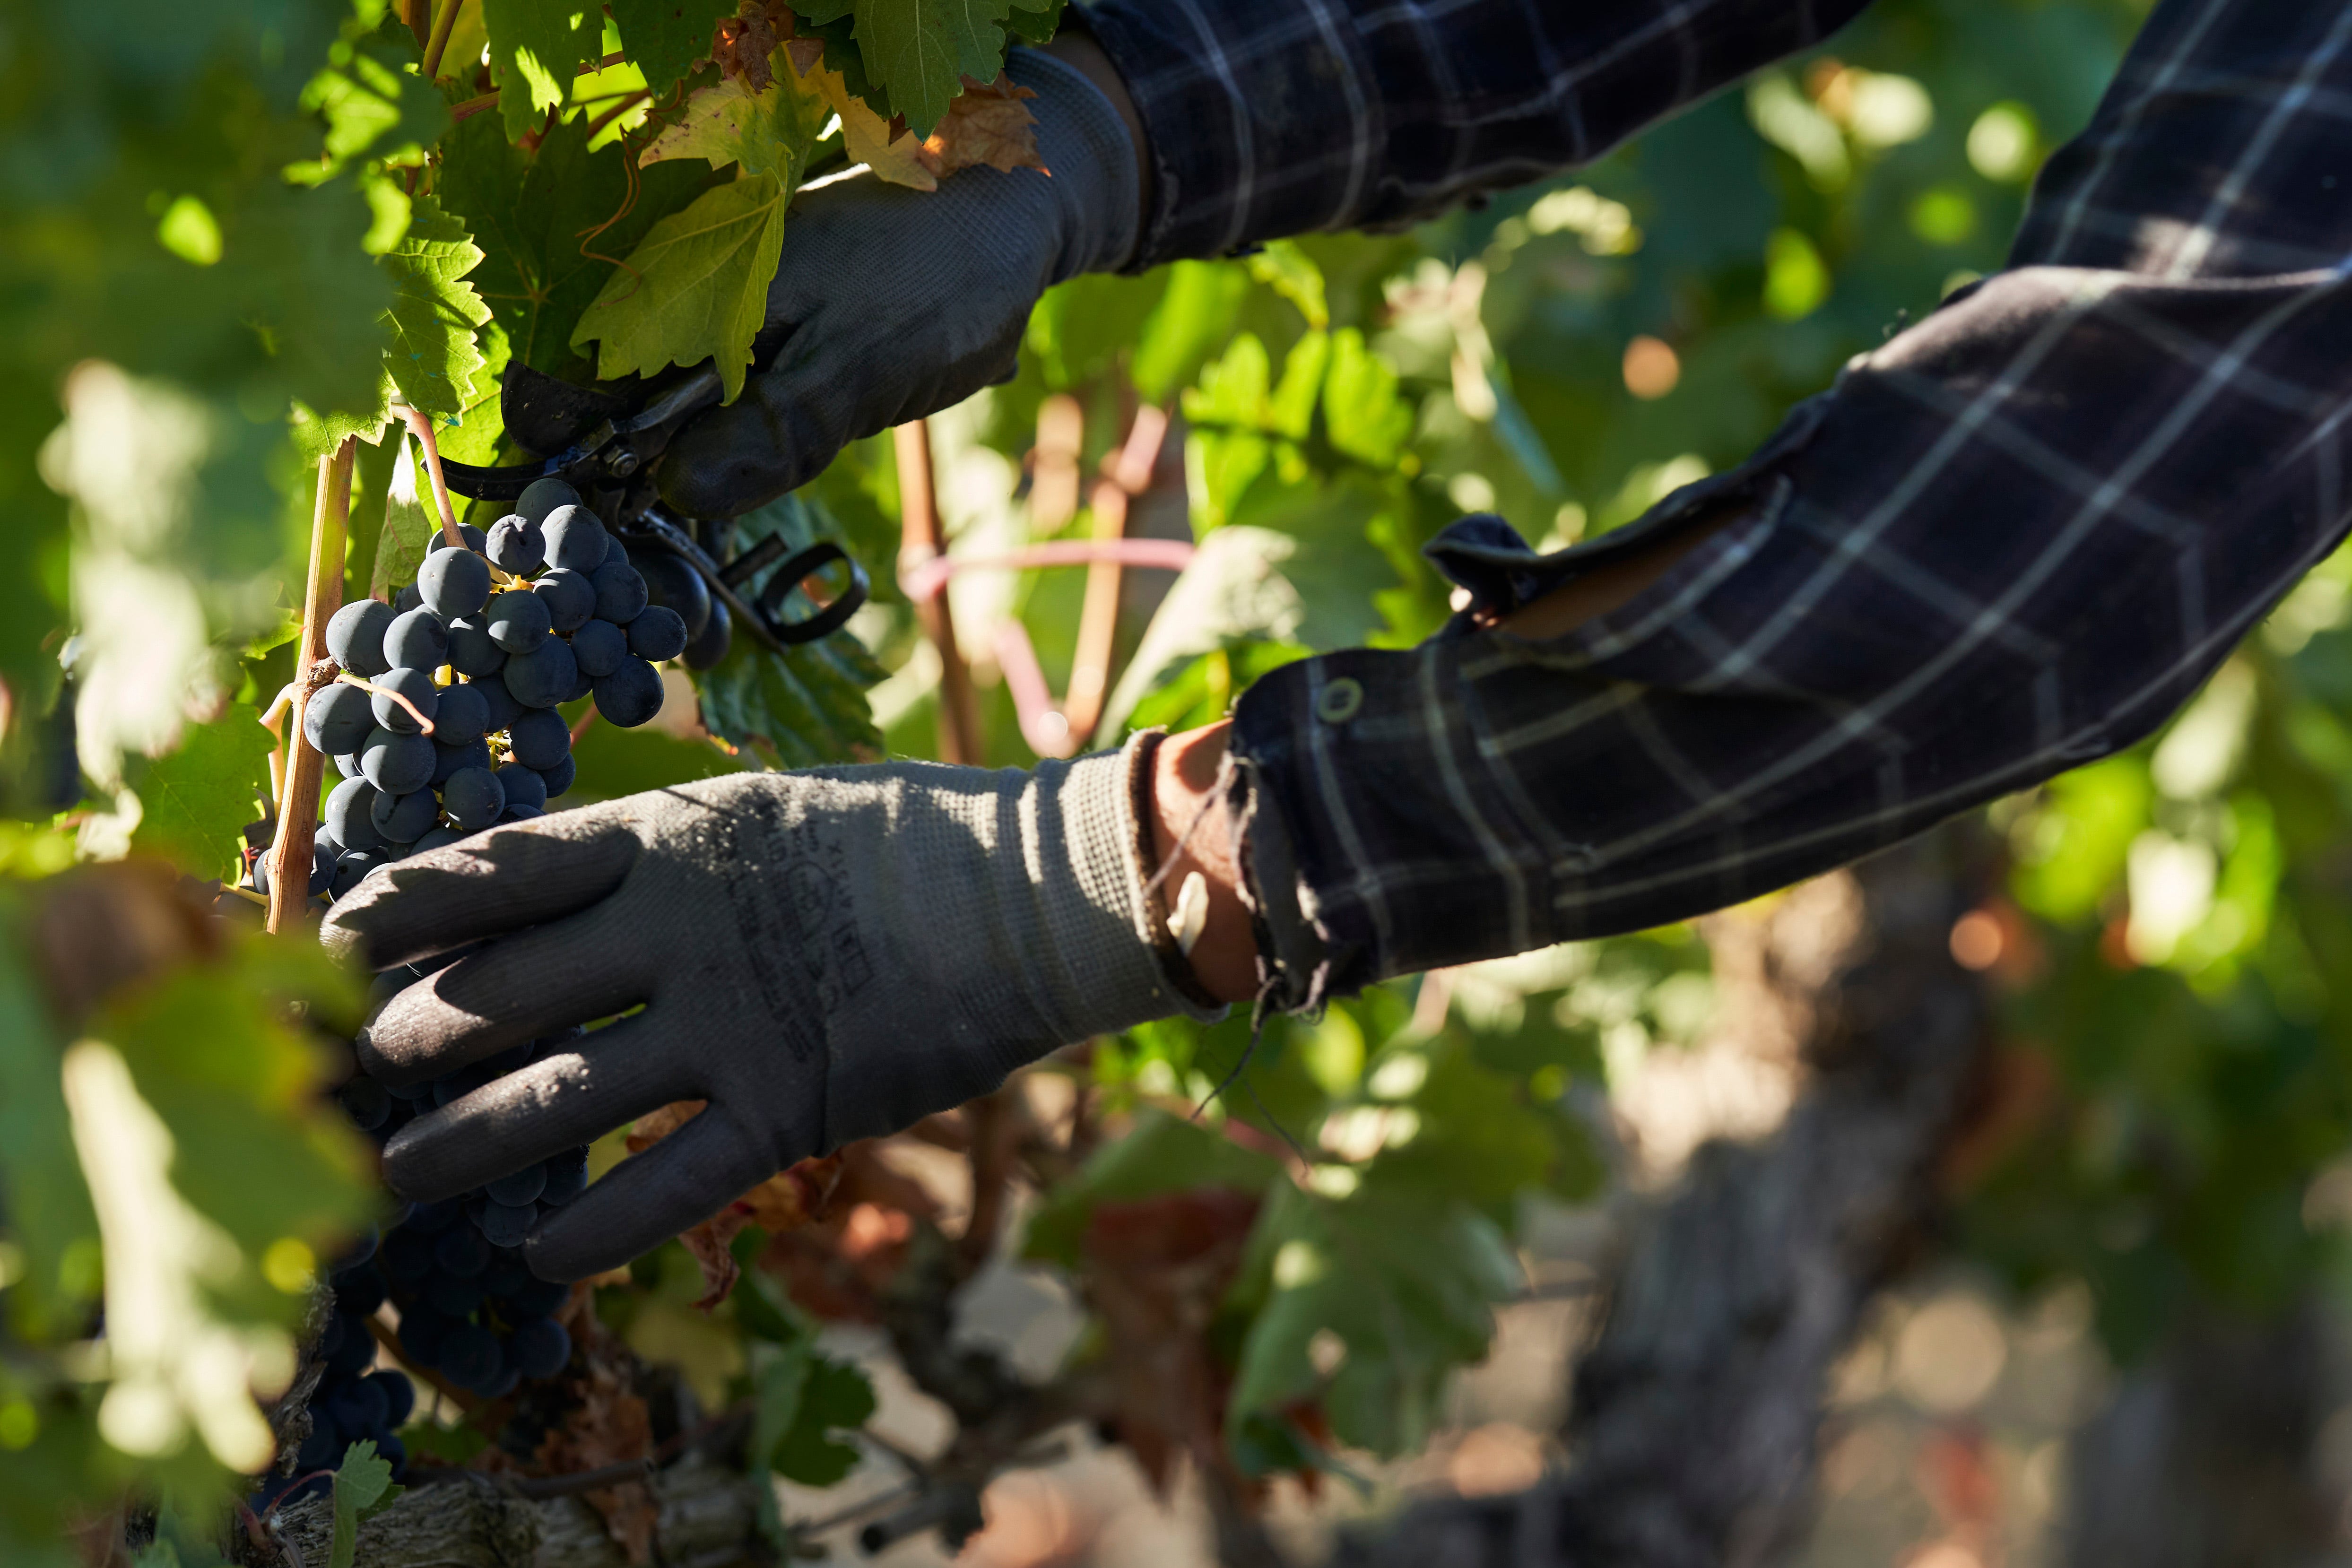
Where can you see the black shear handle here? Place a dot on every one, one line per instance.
(798, 570)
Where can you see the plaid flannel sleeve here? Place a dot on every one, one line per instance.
(1269, 117)
(2010, 541)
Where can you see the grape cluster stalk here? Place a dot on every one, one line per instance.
(446, 723)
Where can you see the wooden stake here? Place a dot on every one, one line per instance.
(298, 810)
(921, 539)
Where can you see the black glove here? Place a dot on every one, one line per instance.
(891, 303)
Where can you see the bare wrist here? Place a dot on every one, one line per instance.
(1199, 838)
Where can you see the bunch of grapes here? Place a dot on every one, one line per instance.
(350, 1404)
(469, 1307)
(544, 609)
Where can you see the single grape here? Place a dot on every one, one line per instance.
(406, 599)
(474, 797)
(543, 676)
(657, 634)
(504, 710)
(432, 1218)
(599, 647)
(570, 599)
(517, 544)
(539, 739)
(519, 1187)
(709, 644)
(360, 1291)
(575, 538)
(454, 582)
(558, 778)
(582, 682)
(461, 1250)
(408, 1254)
(357, 1350)
(514, 813)
(418, 640)
(358, 1406)
(404, 818)
(506, 1225)
(336, 718)
(517, 620)
(352, 869)
(523, 787)
(355, 636)
(347, 766)
(450, 761)
(538, 1347)
(621, 591)
(463, 712)
(395, 764)
(470, 1355)
(365, 1102)
(567, 1176)
(440, 838)
(416, 684)
(474, 538)
(471, 652)
(458, 1298)
(422, 1333)
(400, 1396)
(670, 582)
(615, 550)
(348, 820)
(631, 695)
(542, 496)
(539, 1296)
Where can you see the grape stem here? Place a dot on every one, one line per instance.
(435, 46)
(298, 812)
(420, 424)
(422, 724)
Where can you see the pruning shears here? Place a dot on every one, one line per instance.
(603, 449)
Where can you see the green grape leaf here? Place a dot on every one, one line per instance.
(1362, 411)
(766, 132)
(362, 1485)
(371, 103)
(1163, 1153)
(537, 46)
(435, 312)
(804, 706)
(1035, 21)
(666, 37)
(550, 223)
(919, 51)
(194, 800)
(799, 1399)
(1407, 1282)
(406, 535)
(696, 289)
(316, 436)
(839, 34)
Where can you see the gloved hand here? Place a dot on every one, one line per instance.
(892, 304)
(822, 956)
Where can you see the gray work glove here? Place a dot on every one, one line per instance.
(892, 304)
(822, 956)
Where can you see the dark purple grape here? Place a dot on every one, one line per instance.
(542, 497)
(583, 684)
(517, 544)
(355, 1351)
(523, 787)
(422, 1333)
(514, 813)
(395, 764)
(450, 760)
(358, 1404)
(336, 718)
(543, 676)
(455, 1296)
(400, 1396)
(411, 681)
(431, 1219)
(474, 797)
(349, 809)
(599, 647)
(471, 652)
(558, 778)
(475, 539)
(438, 839)
(670, 580)
(352, 869)
(355, 636)
(365, 1102)
(570, 599)
(518, 1188)
(404, 818)
(454, 582)
(506, 1224)
(567, 1176)
(323, 1448)
(539, 1296)
(575, 540)
(408, 1254)
(538, 1347)
(420, 639)
(461, 1250)
(657, 634)
(540, 738)
(631, 695)
(462, 712)
(406, 599)
(710, 644)
(471, 1358)
(504, 710)
(621, 591)
(359, 1290)
(517, 620)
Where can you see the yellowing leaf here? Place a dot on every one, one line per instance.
(765, 133)
(867, 136)
(696, 289)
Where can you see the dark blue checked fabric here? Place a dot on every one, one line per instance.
(2011, 540)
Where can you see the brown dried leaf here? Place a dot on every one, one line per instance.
(986, 124)
(742, 45)
(605, 1423)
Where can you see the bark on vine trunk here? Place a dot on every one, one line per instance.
(1694, 1413)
